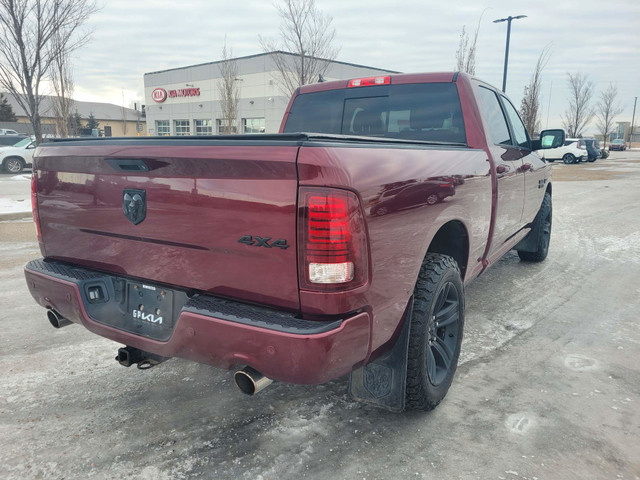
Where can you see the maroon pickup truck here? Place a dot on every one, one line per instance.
(301, 257)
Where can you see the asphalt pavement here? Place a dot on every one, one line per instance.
(548, 386)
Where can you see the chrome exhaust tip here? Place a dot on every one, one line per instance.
(57, 320)
(250, 381)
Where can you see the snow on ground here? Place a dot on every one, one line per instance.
(8, 205)
(21, 178)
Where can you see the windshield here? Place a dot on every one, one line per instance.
(618, 140)
(23, 143)
(427, 112)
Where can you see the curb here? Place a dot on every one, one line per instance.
(15, 216)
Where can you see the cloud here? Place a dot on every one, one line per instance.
(132, 38)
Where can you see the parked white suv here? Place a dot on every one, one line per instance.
(6, 131)
(570, 152)
(13, 159)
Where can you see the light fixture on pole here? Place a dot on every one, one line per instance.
(506, 51)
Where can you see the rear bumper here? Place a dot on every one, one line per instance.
(220, 332)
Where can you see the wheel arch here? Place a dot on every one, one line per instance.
(452, 239)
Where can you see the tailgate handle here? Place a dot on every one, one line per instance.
(128, 164)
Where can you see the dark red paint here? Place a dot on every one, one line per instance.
(202, 198)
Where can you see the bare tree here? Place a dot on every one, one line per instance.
(62, 80)
(466, 53)
(579, 114)
(530, 106)
(606, 110)
(124, 117)
(27, 47)
(228, 90)
(306, 33)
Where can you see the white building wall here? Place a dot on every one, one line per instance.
(260, 96)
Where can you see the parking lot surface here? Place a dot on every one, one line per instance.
(548, 385)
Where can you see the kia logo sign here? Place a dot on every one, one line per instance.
(159, 95)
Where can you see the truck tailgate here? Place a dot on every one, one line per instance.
(200, 200)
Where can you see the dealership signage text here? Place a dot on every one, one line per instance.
(160, 94)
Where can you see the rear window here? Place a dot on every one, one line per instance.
(426, 112)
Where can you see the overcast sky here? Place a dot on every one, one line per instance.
(594, 37)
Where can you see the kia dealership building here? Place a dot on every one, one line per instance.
(186, 101)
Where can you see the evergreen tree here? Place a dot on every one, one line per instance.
(75, 124)
(92, 122)
(6, 111)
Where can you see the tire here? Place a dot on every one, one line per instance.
(13, 165)
(542, 224)
(593, 159)
(569, 158)
(432, 199)
(380, 211)
(434, 347)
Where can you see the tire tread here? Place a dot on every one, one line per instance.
(433, 268)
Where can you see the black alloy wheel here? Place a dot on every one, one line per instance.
(443, 331)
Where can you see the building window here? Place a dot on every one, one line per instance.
(163, 128)
(107, 131)
(221, 126)
(253, 125)
(203, 127)
(182, 127)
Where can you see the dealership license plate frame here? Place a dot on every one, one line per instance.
(150, 306)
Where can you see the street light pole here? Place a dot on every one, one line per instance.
(506, 50)
(633, 119)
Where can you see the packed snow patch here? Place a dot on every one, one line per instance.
(7, 205)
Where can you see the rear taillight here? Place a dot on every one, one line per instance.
(331, 239)
(366, 82)
(34, 204)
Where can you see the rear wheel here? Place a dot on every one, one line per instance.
(569, 158)
(541, 228)
(13, 164)
(437, 323)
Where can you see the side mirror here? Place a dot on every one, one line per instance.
(549, 139)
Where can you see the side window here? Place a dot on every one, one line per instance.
(518, 127)
(497, 123)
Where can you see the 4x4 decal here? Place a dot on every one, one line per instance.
(256, 241)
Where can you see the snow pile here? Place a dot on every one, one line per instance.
(22, 178)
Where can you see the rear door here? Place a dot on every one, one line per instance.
(209, 215)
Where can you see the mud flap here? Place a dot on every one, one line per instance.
(383, 382)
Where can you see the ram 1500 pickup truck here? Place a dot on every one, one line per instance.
(339, 246)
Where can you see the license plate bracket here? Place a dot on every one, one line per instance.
(150, 306)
